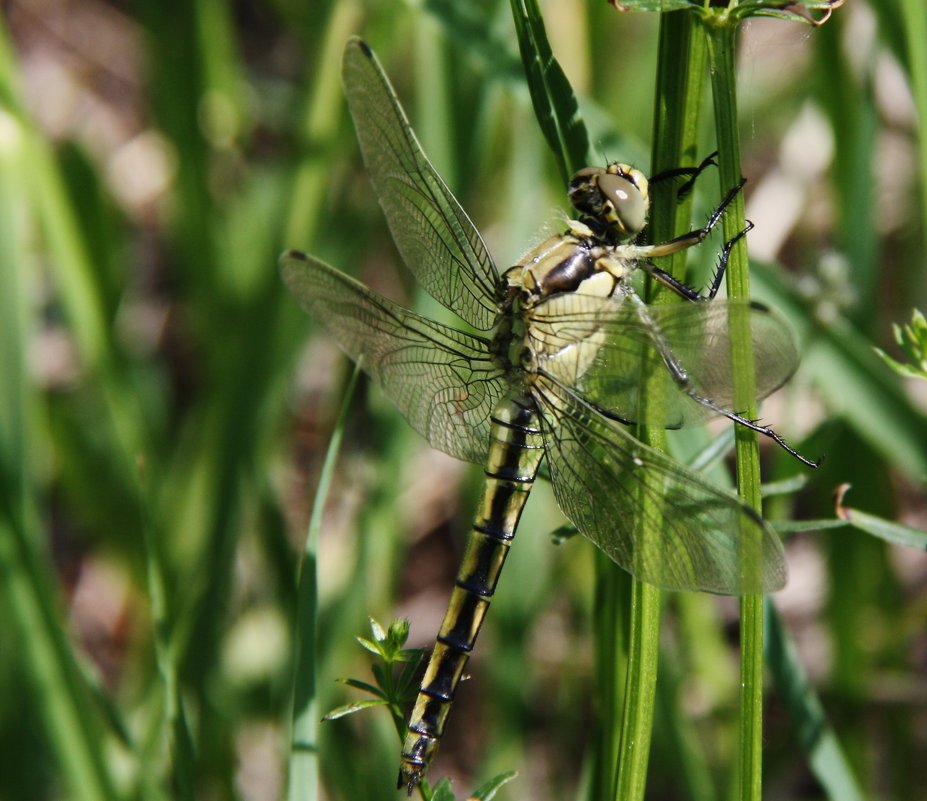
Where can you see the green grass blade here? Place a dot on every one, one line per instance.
(63, 700)
(815, 735)
(914, 13)
(722, 36)
(640, 691)
(894, 533)
(680, 76)
(318, 129)
(303, 779)
(471, 28)
(180, 738)
(555, 104)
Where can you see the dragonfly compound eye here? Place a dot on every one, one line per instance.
(584, 191)
(626, 206)
(616, 198)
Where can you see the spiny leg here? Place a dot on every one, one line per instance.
(642, 254)
(753, 425)
(617, 257)
(681, 377)
(722, 261)
(694, 237)
(692, 173)
(687, 292)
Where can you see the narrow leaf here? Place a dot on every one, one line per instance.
(350, 709)
(555, 104)
(443, 791)
(364, 686)
(487, 791)
(895, 533)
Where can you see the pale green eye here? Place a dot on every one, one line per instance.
(629, 206)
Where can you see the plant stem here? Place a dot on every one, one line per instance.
(722, 32)
(680, 76)
(640, 690)
(611, 639)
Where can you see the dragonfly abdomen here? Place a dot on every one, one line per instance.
(515, 452)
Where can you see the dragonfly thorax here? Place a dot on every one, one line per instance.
(575, 261)
(615, 201)
(553, 276)
(510, 343)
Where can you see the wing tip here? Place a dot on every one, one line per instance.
(776, 579)
(292, 253)
(360, 44)
(290, 263)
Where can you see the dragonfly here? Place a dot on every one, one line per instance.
(567, 359)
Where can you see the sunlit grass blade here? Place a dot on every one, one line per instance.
(303, 781)
(318, 126)
(914, 14)
(722, 38)
(679, 80)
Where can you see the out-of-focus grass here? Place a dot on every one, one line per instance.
(165, 408)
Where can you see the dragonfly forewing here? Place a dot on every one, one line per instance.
(436, 238)
(662, 523)
(442, 380)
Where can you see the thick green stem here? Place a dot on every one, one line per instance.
(612, 590)
(722, 33)
(680, 76)
(640, 690)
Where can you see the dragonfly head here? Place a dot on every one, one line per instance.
(615, 198)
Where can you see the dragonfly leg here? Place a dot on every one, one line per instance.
(753, 425)
(643, 253)
(680, 288)
(722, 261)
(681, 377)
(684, 290)
(692, 173)
(694, 237)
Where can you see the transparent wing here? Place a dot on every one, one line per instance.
(653, 517)
(610, 349)
(438, 242)
(443, 381)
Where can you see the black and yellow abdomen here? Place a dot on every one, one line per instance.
(515, 453)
